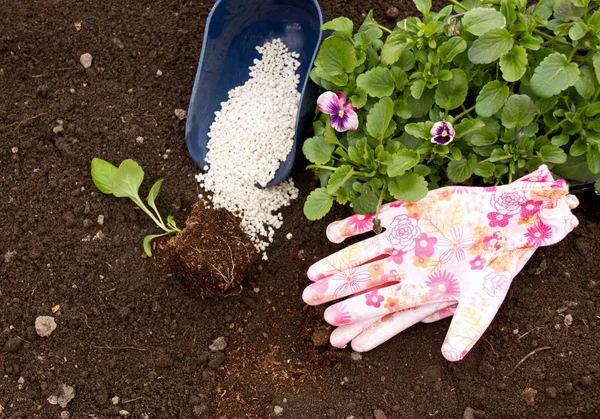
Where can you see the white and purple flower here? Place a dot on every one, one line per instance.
(442, 133)
(343, 114)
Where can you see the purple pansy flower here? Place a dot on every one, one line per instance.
(442, 133)
(343, 114)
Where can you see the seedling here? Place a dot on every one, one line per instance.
(124, 182)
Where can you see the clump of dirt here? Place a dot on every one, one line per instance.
(212, 255)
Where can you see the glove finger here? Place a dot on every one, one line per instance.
(471, 318)
(391, 324)
(342, 335)
(382, 301)
(351, 281)
(347, 258)
(440, 315)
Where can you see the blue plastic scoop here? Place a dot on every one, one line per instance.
(234, 29)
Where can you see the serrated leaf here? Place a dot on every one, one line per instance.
(491, 98)
(368, 36)
(377, 82)
(544, 104)
(103, 175)
(340, 24)
(402, 109)
(451, 94)
(399, 76)
(128, 179)
(451, 48)
(552, 154)
(481, 20)
(586, 83)
(379, 117)
(566, 11)
(317, 151)
(514, 64)
(490, 46)
(336, 56)
(530, 42)
(460, 170)
(409, 187)
(484, 169)
(317, 204)
(518, 111)
(420, 130)
(403, 160)
(366, 202)
(393, 48)
(338, 178)
(554, 74)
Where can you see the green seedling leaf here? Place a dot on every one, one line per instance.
(317, 204)
(552, 154)
(342, 25)
(554, 74)
(451, 48)
(409, 187)
(377, 82)
(171, 222)
(336, 56)
(423, 6)
(340, 176)
(491, 46)
(518, 112)
(461, 170)
(481, 20)
(379, 118)
(148, 242)
(514, 64)
(403, 160)
(153, 194)
(317, 151)
(491, 98)
(452, 93)
(128, 179)
(103, 175)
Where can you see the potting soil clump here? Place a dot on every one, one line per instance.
(251, 134)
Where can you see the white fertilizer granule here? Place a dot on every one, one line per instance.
(251, 134)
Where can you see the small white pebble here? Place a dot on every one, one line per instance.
(101, 219)
(159, 73)
(115, 400)
(288, 236)
(257, 290)
(139, 140)
(278, 410)
(165, 156)
(86, 60)
(124, 413)
(72, 90)
(181, 114)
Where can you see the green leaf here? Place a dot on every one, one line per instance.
(530, 42)
(514, 63)
(596, 64)
(409, 187)
(499, 154)
(451, 94)
(484, 169)
(420, 107)
(368, 36)
(578, 148)
(359, 98)
(552, 154)
(518, 111)
(128, 179)
(566, 11)
(422, 170)
(338, 79)
(171, 221)
(586, 83)
(338, 178)
(402, 109)
(460, 170)
(317, 204)
(420, 130)
(336, 56)
(148, 242)
(593, 158)
(593, 109)
(377, 82)
(560, 140)
(399, 76)
(393, 48)
(491, 46)
(103, 174)
(317, 151)
(467, 126)
(423, 6)
(404, 160)
(554, 75)
(578, 31)
(417, 88)
(153, 194)
(444, 75)
(544, 104)
(481, 20)
(366, 202)
(451, 48)
(379, 117)
(491, 98)
(329, 135)
(483, 138)
(342, 25)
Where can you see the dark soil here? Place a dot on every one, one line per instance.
(127, 329)
(212, 255)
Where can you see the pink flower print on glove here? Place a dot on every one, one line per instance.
(454, 253)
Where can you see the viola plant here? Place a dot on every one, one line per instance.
(481, 92)
(124, 182)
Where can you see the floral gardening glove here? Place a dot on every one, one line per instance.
(454, 252)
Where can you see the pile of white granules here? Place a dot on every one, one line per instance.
(251, 134)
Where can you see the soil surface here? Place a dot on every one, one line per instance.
(131, 340)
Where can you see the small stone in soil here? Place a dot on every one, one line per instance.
(392, 13)
(181, 114)
(65, 414)
(87, 223)
(59, 129)
(320, 337)
(219, 344)
(471, 413)
(356, 356)
(217, 361)
(67, 394)
(124, 413)
(529, 395)
(44, 326)
(551, 392)
(568, 320)
(12, 345)
(101, 219)
(115, 400)
(379, 414)
(86, 60)
(139, 140)
(159, 73)
(278, 410)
